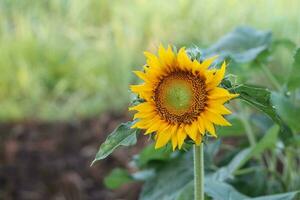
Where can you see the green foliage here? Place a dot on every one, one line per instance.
(117, 178)
(227, 172)
(284, 196)
(288, 111)
(150, 154)
(170, 180)
(237, 128)
(241, 169)
(258, 97)
(220, 190)
(121, 136)
(267, 142)
(294, 77)
(243, 44)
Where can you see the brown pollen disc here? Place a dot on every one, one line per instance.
(180, 97)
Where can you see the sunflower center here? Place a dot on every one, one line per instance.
(178, 94)
(180, 97)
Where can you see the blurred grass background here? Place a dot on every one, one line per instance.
(67, 59)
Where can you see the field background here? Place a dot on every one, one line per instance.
(65, 71)
(66, 60)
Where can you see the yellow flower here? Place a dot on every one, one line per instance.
(181, 98)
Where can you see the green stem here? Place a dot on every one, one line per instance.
(271, 77)
(250, 134)
(199, 172)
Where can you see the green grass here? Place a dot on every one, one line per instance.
(61, 60)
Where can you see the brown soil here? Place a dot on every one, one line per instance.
(52, 161)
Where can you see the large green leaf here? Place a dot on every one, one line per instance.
(283, 196)
(123, 135)
(287, 110)
(258, 97)
(220, 190)
(175, 180)
(150, 154)
(117, 178)
(160, 186)
(267, 142)
(187, 193)
(216, 189)
(243, 44)
(210, 151)
(226, 172)
(170, 179)
(294, 79)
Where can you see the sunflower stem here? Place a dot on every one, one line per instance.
(198, 172)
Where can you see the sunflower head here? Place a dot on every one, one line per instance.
(181, 98)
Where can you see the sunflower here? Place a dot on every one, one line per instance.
(181, 98)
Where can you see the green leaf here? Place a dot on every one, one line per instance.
(117, 178)
(149, 154)
(210, 151)
(143, 175)
(170, 179)
(187, 193)
(227, 172)
(258, 97)
(267, 142)
(287, 110)
(294, 79)
(216, 189)
(243, 44)
(121, 136)
(220, 190)
(283, 196)
(283, 42)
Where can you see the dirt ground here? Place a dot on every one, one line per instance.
(41, 161)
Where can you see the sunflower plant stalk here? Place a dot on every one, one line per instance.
(181, 100)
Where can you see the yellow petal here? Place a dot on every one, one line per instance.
(142, 124)
(143, 107)
(162, 55)
(192, 131)
(222, 100)
(144, 91)
(154, 124)
(217, 93)
(140, 115)
(152, 60)
(170, 59)
(197, 68)
(218, 109)
(157, 126)
(201, 126)
(209, 126)
(141, 75)
(174, 137)
(174, 141)
(217, 77)
(181, 135)
(162, 139)
(198, 139)
(216, 119)
(183, 60)
(207, 62)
